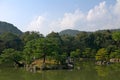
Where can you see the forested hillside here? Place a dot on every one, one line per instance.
(69, 32)
(7, 27)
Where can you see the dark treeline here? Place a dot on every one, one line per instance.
(31, 46)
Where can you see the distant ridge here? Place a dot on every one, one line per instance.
(75, 32)
(112, 30)
(69, 32)
(8, 27)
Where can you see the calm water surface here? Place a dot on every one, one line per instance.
(88, 71)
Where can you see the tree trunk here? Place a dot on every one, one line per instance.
(19, 64)
(44, 58)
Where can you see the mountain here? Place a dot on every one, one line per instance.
(75, 32)
(7, 27)
(69, 32)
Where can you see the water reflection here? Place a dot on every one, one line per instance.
(102, 71)
(88, 71)
(109, 72)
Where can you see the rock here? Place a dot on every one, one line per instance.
(113, 60)
(118, 60)
(102, 62)
(99, 62)
(78, 68)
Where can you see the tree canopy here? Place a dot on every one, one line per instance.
(31, 46)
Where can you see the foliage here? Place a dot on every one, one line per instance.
(39, 48)
(116, 37)
(102, 54)
(75, 54)
(11, 55)
(88, 53)
(68, 44)
(28, 36)
(30, 46)
(115, 54)
(10, 40)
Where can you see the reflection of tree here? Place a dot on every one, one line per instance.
(87, 66)
(106, 71)
(53, 75)
(102, 71)
(115, 67)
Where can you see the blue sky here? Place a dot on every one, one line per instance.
(56, 15)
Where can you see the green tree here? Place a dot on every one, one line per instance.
(57, 40)
(115, 54)
(67, 46)
(60, 58)
(75, 54)
(40, 48)
(88, 53)
(12, 56)
(29, 52)
(102, 55)
(102, 39)
(81, 41)
(2, 46)
(116, 37)
(11, 40)
(28, 36)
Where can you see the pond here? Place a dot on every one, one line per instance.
(87, 71)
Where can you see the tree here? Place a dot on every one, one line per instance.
(2, 46)
(115, 54)
(11, 40)
(60, 58)
(102, 55)
(29, 52)
(81, 41)
(67, 46)
(11, 55)
(28, 36)
(40, 48)
(102, 39)
(57, 39)
(53, 35)
(116, 37)
(88, 53)
(75, 54)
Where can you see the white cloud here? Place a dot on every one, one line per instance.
(97, 13)
(103, 17)
(117, 8)
(70, 19)
(36, 24)
(39, 23)
(97, 18)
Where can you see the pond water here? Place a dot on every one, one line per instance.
(87, 71)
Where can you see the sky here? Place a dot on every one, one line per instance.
(46, 16)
